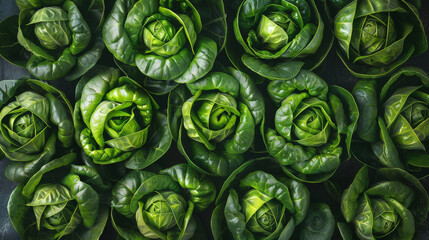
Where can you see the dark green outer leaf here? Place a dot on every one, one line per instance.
(244, 133)
(216, 81)
(8, 89)
(94, 91)
(365, 95)
(161, 68)
(217, 223)
(385, 149)
(300, 197)
(319, 223)
(273, 71)
(114, 34)
(334, 189)
(250, 94)
(285, 152)
(351, 112)
(318, 36)
(126, 228)
(78, 123)
(98, 69)
(176, 98)
(349, 201)
(392, 189)
(326, 162)
(111, 173)
(398, 78)
(304, 81)
(189, 225)
(200, 233)
(10, 49)
(214, 21)
(156, 146)
(81, 33)
(362, 151)
(343, 27)
(345, 231)
(202, 62)
(90, 176)
(51, 70)
(156, 87)
(288, 230)
(231, 178)
(235, 219)
(371, 7)
(406, 227)
(249, 9)
(234, 51)
(418, 36)
(95, 15)
(418, 160)
(313, 61)
(17, 209)
(34, 181)
(217, 163)
(87, 60)
(60, 116)
(23, 4)
(86, 198)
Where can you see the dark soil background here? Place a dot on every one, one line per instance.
(333, 72)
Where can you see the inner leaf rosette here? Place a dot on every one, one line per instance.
(277, 37)
(35, 124)
(62, 39)
(310, 126)
(392, 128)
(161, 206)
(257, 202)
(60, 201)
(214, 120)
(376, 37)
(119, 121)
(163, 39)
(389, 208)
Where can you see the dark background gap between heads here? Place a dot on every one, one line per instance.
(332, 71)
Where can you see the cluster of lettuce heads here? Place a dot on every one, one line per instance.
(232, 84)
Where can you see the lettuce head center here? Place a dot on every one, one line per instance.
(52, 34)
